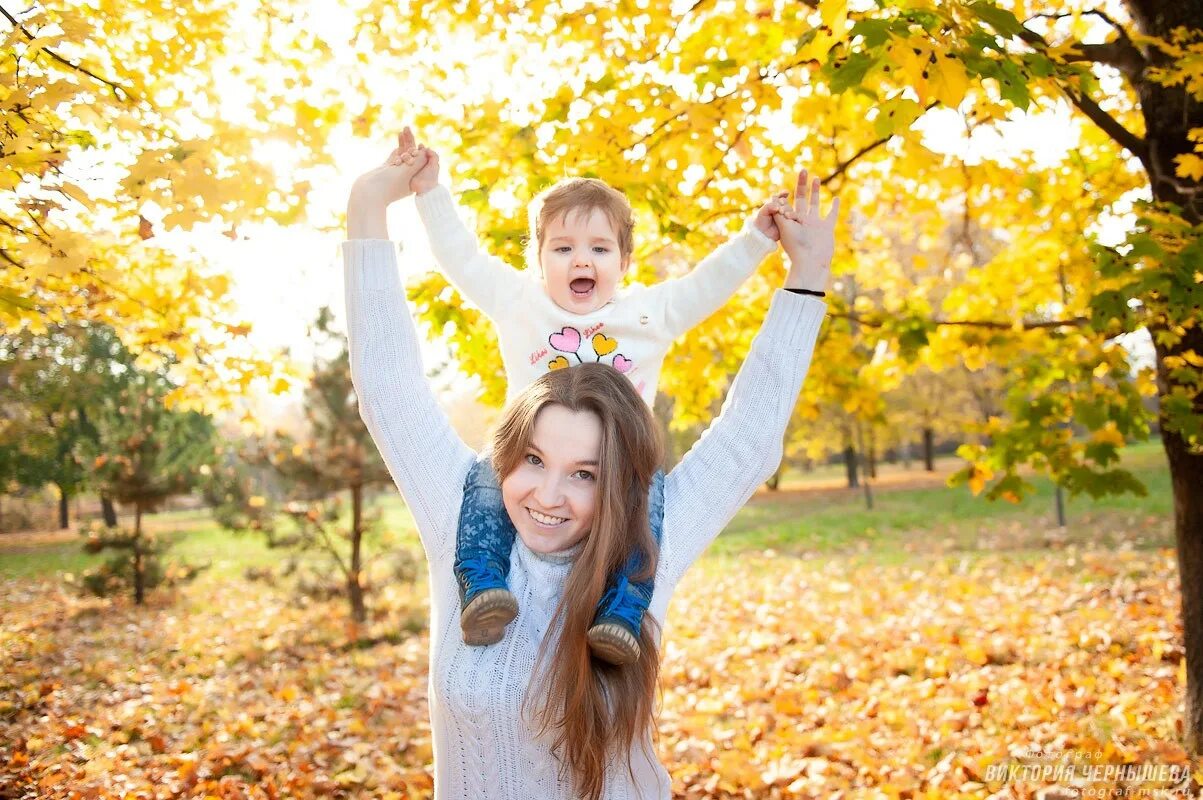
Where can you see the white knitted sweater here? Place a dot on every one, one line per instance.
(483, 746)
(632, 332)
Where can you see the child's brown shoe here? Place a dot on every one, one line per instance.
(613, 643)
(483, 621)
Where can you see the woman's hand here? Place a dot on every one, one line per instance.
(808, 237)
(376, 189)
(391, 180)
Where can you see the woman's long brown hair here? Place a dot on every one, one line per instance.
(593, 710)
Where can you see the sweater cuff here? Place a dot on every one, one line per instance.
(794, 319)
(756, 244)
(435, 205)
(371, 264)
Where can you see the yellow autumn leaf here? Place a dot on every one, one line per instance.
(1108, 434)
(1189, 166)
(948, 81)
(79, 195)
(978, 478)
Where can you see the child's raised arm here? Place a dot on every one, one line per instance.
(692, 298)
(489, 283)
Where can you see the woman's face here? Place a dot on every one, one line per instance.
(552, 493)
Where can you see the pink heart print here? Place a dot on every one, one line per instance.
(622, 363)
(568, 340)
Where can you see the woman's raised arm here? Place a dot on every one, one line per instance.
(743, 446)
(427, 459)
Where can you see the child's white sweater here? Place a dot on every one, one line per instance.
(483, 746)
(632, 332)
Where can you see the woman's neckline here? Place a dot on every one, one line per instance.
(560, 557)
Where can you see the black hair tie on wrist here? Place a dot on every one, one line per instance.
(807, 291)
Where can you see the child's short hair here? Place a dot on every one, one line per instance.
(581, 194)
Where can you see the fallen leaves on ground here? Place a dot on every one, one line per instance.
(781, 678)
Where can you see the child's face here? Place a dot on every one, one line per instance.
(552, 494)
(580, 261)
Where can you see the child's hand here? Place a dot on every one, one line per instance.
(766, 218)
(808, 238)
(392, 180)
(428, 176)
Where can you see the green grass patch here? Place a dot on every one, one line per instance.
(902, 522)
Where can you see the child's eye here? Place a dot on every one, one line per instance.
(533, 460)
(600, 249)
(584, 474)
(563, 248)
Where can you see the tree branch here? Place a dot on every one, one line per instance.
(662, 49)
(1117, 53)
(669, 120)
(332, 549)
(118, 90)
(1120, 29)
(1109, 125)
(842, 167)
(739, 134)
(4, 254)
(1075, 322)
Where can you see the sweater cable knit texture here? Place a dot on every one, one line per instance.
(483, 745)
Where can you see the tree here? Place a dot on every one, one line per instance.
(335, 456)
(697, 131)
(144, 454)
(52, 388)
(120, 84)
(692, 129)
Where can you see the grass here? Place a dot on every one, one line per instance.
(921, 519)
(799, 520)
(227, 553)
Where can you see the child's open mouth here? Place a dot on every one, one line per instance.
(582, 287)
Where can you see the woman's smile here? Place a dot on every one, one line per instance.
(546, 520)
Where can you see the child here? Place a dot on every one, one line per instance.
(570, 311)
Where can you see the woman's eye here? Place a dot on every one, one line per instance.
(533, 460)
(584, 475)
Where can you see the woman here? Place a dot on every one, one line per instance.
(533, 716)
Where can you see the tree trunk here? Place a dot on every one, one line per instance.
(871, 454)
(1186, 476)
(929, 447)
(139, 566)
(1169, 113)
(110, 513)
(850, 466)
(359, 611)
(64, 508)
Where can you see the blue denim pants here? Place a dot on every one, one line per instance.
(486, 532)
